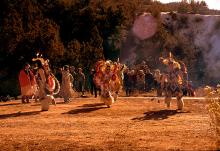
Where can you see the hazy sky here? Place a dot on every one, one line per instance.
(212, 4)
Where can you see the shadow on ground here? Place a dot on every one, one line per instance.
(92, 105)
(87, 108)
(39, 103)
(4, 116)
(159, 115)
(10, 104)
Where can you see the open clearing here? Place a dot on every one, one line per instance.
(86, 124)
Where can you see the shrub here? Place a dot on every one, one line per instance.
(214, 112)
(198, 19)
(9, 86)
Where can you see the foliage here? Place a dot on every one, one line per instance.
(183, 7)
(214, 110)
(76, 32)
(72, 32)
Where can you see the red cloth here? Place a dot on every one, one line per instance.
(24, 79)
(51, 83)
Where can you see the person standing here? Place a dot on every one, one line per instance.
(157, 82)
(184, 75)
(93, 88)
(26, 80)
(141, 81)
(74, 74)
(81, 81)
(149, 80)
(66, 87)
(126, 82)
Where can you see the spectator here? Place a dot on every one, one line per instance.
(140, 81)
(127, 82)
(27, 80)
(66, 86)
(133, 80)
(157, 82)
(93, 88)
(149, 80)
(81, 81)
(190, 89)
(74, 74)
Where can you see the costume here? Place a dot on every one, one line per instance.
(27, 82)
(174, 81)
(66, 89)
(48, 84)
(108, 77)
(41, 80)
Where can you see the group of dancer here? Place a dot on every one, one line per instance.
(38, 83)
(108, 77)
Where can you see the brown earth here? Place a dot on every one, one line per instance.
(86, 124)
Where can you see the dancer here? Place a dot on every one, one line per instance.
(48, 84)
(108, 77)
(174, 81)
(41, 80)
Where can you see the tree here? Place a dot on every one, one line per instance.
(183, 7)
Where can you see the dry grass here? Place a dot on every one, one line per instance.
(86, 124)
(214, 111)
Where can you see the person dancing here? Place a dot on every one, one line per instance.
(174, 82)
(108, 77)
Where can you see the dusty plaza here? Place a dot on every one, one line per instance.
(135, 123)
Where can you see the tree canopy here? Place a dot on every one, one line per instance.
(75, 32)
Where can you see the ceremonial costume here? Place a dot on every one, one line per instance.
(41, 80)
(174, 81)
(108, 77)
(48, 84)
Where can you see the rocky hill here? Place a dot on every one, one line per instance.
(192, 38)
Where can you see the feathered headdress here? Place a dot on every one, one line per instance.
(42, 60)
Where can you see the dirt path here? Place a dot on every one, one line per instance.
(86, 124)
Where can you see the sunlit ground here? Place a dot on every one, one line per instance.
(86, 124)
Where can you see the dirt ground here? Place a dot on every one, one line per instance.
(86, 124)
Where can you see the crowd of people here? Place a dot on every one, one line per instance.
(38, 81)
(142, 79)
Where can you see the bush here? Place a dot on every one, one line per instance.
(198, 19)
(214, 112)
(9, 86)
